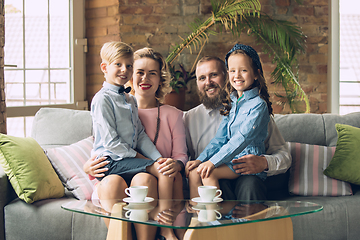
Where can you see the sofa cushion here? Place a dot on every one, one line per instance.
(54, 127)
(68, 162)
(296, 128)
(306, 172)
(28, 169)
(345, 164)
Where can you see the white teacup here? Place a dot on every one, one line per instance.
(137, 193)
(137, 215)
(209, 193)
(208, 215)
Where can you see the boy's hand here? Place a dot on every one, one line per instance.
(205, 168)
(190, 165)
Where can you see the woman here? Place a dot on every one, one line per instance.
(164, 126)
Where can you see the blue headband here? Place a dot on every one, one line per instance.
(248, 50)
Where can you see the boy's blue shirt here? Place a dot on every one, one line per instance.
(117, 129)
(240, 133)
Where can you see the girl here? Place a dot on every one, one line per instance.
(246, 110)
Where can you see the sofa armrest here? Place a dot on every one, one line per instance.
(6, 195)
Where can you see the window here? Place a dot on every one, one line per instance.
(345, 57)
(349, 56)
(44, 52)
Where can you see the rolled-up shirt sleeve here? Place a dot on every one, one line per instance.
(277, 153)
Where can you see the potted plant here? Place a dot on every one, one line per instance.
(179, 78)
(281, 39)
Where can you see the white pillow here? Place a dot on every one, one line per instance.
(68, 162)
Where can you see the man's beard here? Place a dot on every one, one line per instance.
(214, 102)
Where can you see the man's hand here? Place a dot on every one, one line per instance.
(96, 168)
(245, 210)
(205, 168)
(190, 165)
(250, 164)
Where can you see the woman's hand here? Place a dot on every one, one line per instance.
(169, 166)
(205, 168)
(95, 167)
(190, 165)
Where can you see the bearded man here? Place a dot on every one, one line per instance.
(202, 122)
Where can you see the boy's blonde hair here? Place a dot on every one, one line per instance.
(111, 51)
(164, 86)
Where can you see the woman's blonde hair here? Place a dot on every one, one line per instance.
(111, 51)
(164, 86)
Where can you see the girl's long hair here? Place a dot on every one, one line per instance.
(260, 83)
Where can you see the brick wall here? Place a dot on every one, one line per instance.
(2, 85)
(102, 25)
(159, 23)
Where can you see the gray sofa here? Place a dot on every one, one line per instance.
(56, 127)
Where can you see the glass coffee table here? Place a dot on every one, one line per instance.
(215, 220)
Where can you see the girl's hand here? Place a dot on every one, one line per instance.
(169, 166)
(95, 167)
(205, 169)
(190, 165)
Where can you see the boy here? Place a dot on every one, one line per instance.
(119, 134)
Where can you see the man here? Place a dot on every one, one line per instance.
(202, 122)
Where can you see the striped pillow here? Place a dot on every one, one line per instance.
(68, 162)
(306, 173)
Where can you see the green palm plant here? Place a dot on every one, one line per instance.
(280, 39)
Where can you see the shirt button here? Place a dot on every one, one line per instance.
(253, 127)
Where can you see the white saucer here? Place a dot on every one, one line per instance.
(203, 207)
(138, 207)
(198, 200)
(130, 200)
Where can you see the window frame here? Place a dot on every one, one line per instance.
(78, 50)
(334, 59)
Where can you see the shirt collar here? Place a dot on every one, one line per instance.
(111, 87)
(211, 111)
(254, 92)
